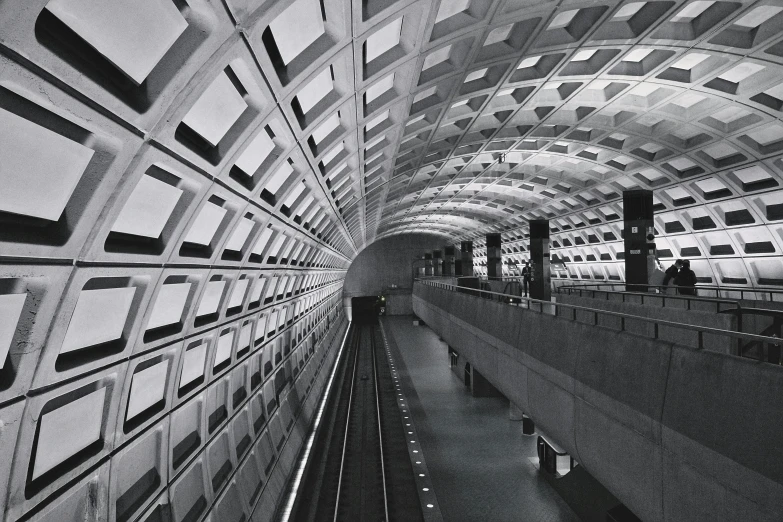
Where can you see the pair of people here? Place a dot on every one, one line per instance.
(684, 278)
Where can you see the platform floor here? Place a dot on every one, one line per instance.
(477, 458)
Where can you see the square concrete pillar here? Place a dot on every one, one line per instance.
(541, 279)
(638, 238)
(494, 257)
(481, 387)
(465, 265)
(428, 265)
(448, 261)
(437, 263)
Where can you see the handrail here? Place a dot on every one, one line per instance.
(511, 283)
(700, 330)
(542, 444)
(776, 328)
(771, 292)
(754, 311)
(663, 297)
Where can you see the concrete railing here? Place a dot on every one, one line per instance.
(748, 319)
(722, 332)
(695, 318)
(718, 292)
(685, 302)
(676, 433)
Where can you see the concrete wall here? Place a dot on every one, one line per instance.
(717, 343)
(677, 311)
(399, 304)
(677, 434)
(388, 262)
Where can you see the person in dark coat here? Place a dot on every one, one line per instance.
(672, 272)
(685, 281)
(526, 273)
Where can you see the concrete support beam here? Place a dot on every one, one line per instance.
(541, 280)
(528, 426)
(639, 238)
(481, 387)
(466, 259)
(448, 260)
(437, 262)
(428, 264)
(494, 256)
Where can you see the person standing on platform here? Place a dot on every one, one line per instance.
(526, 273)
(685, 281)
(670, 274)
(656, 272)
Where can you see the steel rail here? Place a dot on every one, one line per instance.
(347, 424)
(380, 429)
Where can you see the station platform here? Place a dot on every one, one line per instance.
(481, 466)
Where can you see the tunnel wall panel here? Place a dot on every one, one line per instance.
(131, 430)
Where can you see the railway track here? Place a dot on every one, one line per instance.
(362, 471)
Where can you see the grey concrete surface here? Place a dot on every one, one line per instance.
(388, 262)
(477, 458)
(675, 433)
(717, 343)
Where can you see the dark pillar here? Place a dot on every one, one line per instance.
(528, 426)
(448, 261)
(494, 257)
(466, 259)
(481, 387)
(427, 265)
(639, 238)
(437, 263)
(540, 286)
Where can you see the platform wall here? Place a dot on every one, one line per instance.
(677, 434)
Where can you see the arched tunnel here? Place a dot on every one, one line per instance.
(191, 192)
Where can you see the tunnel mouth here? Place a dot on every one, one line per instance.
(366, 309)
